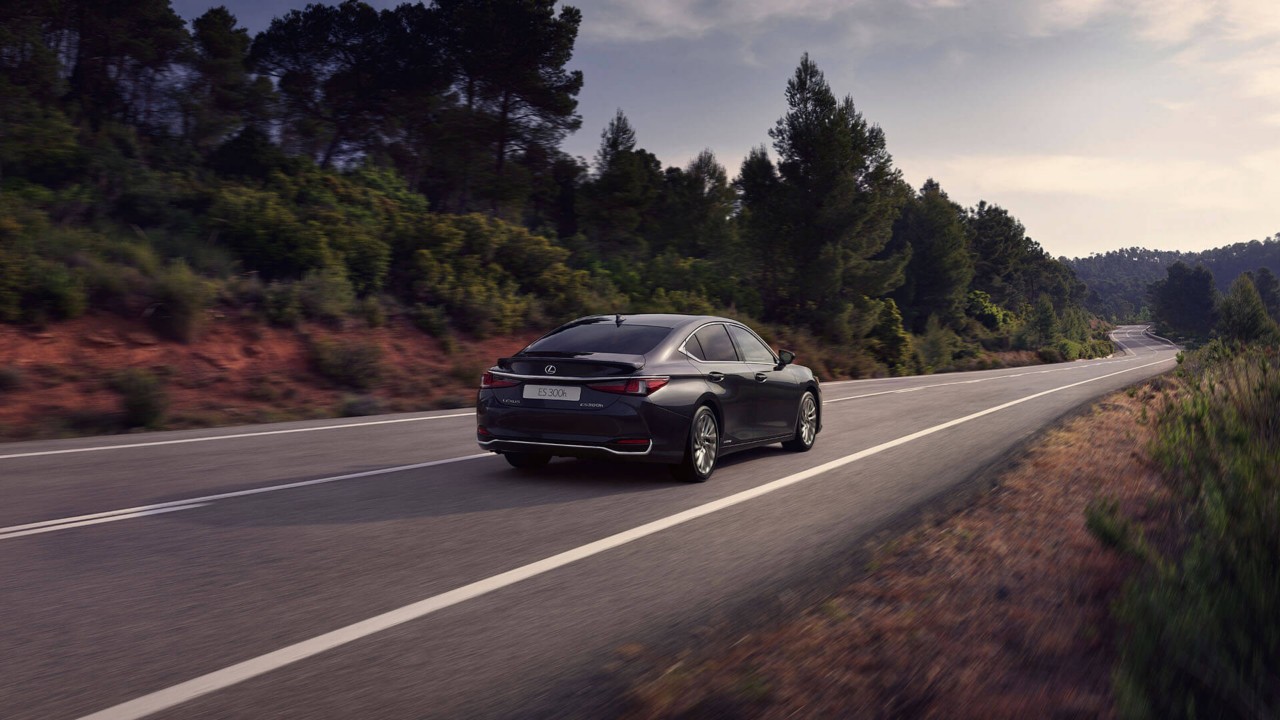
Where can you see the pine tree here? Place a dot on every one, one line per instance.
(831, 212)
(1242, 316)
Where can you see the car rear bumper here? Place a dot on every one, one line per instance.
(641, 432)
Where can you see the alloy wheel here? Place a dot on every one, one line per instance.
(706, 439)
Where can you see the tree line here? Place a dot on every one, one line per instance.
(1186, 303)
(1118, 279)
(354, 160)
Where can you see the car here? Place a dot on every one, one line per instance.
(683, 390)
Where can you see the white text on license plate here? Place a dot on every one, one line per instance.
(569, 393)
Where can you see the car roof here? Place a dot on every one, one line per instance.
(667, 320)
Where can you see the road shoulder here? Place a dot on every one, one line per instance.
(1000, 609)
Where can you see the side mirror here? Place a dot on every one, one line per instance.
(785, 358)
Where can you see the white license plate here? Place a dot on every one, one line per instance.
(568, 393)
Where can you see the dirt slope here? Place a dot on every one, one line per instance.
(58, 380)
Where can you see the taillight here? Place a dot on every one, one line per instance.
(489, 381)
(641, 386)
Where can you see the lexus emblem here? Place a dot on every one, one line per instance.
(550, 369)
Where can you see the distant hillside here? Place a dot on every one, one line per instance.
(1118, 279)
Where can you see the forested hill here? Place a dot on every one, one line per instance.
(404, 165)
(1118, 280)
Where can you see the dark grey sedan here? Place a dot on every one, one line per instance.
(684, 390)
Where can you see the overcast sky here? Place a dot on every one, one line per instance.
(1099, 123)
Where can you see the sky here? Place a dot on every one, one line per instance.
(1100, 124)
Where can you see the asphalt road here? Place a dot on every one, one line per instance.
(380, 567)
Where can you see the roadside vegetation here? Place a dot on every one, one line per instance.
(177, 174)
(1201, 617)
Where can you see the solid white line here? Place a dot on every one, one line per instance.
(232, 437)
(226, 677)
(969, 382)
(62, 523)
(53, 528)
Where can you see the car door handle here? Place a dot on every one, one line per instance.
(761, 377)
(715, 376)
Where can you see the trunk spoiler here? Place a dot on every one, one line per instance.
(629, 363)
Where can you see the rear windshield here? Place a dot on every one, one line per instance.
(601, 337)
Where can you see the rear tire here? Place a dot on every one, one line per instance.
(806, 425)
(527, 461)
(702, 449)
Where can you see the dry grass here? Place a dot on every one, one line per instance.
(998, 611)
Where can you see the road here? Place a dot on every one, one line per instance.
(382, 567)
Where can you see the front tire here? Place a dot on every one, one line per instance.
(527, 461)
(806, 425)
(702, 450)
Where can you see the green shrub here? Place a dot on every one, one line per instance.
(264, 230)
(50, 291)
(280, 304)
(142, 398)
(240, 291)
(434, 322)
(326, 295)
(179, 299)
(113, 286)
(937, 346)
(1049, 355)
(350, 364)
(373, 311)
(980, 307)
(1069, 349)
(890, 343)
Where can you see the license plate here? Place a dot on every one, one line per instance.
(568, 393)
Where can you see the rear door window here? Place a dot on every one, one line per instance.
(605, 336)
(749, 346)
(715, 344)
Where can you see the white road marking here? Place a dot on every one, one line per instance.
(4, 535)
(234, 674)
(125, 513)
(232, 437)
(978, 380)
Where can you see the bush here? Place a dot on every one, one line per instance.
(1069, 349)
(937, 346)
(115, 287)
(280, 305)
(42, 291)
(1049, 355)
(326, 295)
(179, 299)
(434, 322)
(242, 291)
(1203, 627)
(142, 398)
(354, 365)
(373, 312)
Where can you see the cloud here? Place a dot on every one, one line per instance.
(1171, 22)
(624, 20)
(1050, 17)
(1229, 185)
